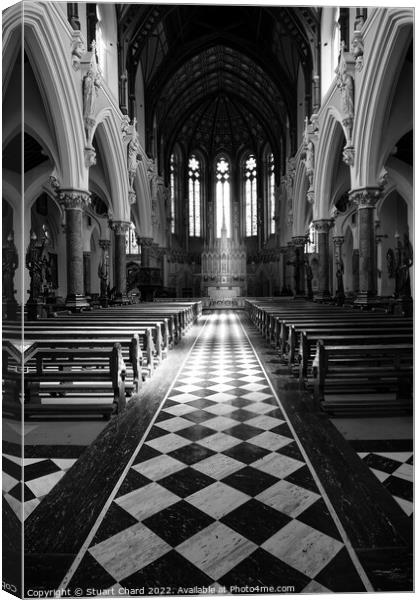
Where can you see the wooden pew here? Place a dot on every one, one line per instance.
(360, 379)
(308, 337)
(70, 391)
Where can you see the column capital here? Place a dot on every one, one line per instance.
(104, 244)
(299, 240)
(338, 240)
(365, 197)
(119, 227)
(146, 241)
(72, 199)
(323, 225)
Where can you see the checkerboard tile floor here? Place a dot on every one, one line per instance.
(40, 475)
(219, 494)
(395, 471)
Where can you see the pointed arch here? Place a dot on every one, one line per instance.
(393, 31)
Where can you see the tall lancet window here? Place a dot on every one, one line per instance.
(194, 196)
(250, 174)
(271, 193)
(172, 189)
(222, 197)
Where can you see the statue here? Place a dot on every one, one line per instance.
(90, 91)
(10, 264)
(340, 295)
(36, 263)
(345, 84)
(103, 276)
(309, 276)
(133, 154)
(404, 261)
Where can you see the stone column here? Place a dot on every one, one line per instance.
(323, 226)
(74, 202)
(338, 241)
(120, 228)
(299, 243)
(365, 200)
(86, 273)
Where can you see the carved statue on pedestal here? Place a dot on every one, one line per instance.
(10, 264)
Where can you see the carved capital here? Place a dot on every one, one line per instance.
(119, 227)
(323, 225)
(74, 199)
(299, 240)
(105, 244)
(365, 198)
(146, 241)
(338, 241)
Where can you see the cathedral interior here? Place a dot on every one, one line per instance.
(207, 301)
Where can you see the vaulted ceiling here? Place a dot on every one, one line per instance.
(219, 77)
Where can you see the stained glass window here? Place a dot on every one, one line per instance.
(250, 174)
(194, 196)
(222, 197)
(271, 193)
(172, 187)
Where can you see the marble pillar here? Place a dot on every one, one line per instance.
(146, 245)
(355, 272)
(120, 229)
(322, 227)
(299, 244)
(365, 200)
(74, 202)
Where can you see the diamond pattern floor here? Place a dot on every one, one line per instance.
(395, 471)
(39, 475)
(219, 494)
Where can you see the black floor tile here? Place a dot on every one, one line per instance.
(303, 478)
(318, 517)
(46, 467)
(246, 452)
(255, 521)
(242, 415)
(116, 520)
(170, 572)
(195, 432)
(145, 453)
(191, 454)
(283, 429)
(198, 416)
(292, 451)
(186, 482)
(178, 522)
(156, 432)
(17, 492)
(132, 481)
(240, 402)
(381, 463)
(340, 575)
(262, 568)
(90, 575)
(243, 431)
(250, 481)
(399, 487)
